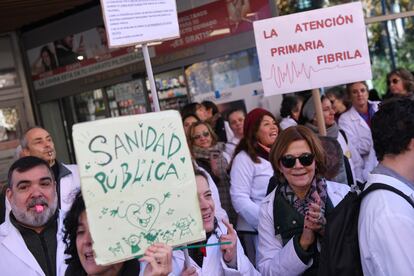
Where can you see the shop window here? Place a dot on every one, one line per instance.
(126, 98)
(90, 106)
(8, 75)
(9, 120)
(223, 72)
(171, 89)
(8, 79)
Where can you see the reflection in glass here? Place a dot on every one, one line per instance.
(8, 123)
(8, 79)
(126, 98)
(224, 72)
(90, 106)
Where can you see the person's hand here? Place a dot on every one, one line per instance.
(313, 223)
(229, 250)
(314, 216)
(189, 271)
(159, 259)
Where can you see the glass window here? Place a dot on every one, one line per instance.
(8, 79)
(126, 98)
(8, 76)
(90, 106)
(9, 120)
(223, 72)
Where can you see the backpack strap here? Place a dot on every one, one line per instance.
(348, 171)
(381, 186)
(344, 135)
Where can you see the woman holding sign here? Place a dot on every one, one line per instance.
(81, 259)
(292, 217)
(227, 256)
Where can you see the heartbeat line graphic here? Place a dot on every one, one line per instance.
(291, 73)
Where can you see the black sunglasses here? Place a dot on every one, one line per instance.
(198, 136)
(289, 161)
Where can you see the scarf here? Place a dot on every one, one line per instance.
(318, 186)
(262, 152)
(332, 131)
(219, 169)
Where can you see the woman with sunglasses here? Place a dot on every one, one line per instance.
(81, 261)
(250, 174)
(356, 122)
(211, 156)
(400, 82)
(292, 217)
(226, 259)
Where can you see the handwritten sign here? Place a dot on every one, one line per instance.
(138, 184)
(313, 49)
(134, 22)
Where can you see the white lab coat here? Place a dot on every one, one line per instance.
(231, 147)
(359, 135)
(213, 263)
(287, 122)
(69, 185)
(220, 212)
(386, 229)
(248, 188)
(275, 259)
(16, 258)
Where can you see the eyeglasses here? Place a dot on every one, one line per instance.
(204, 134)
(289, 161)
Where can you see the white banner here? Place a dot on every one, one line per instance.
(136, 22)
(313, 49)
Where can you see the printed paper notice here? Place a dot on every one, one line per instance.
(313, 49)
(131, 22)
(138, 184)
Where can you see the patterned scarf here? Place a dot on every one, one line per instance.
(220, 168)
(301, 205)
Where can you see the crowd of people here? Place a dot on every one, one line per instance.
(265, 186)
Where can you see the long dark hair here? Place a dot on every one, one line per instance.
(53, 64)
(249, 142)
(71, 223)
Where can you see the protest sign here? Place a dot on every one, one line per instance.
(138, 184)
(313, 49)
(135, 22)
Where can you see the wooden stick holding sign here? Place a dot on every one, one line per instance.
(316, 95)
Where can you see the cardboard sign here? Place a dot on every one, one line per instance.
(137, 22)
(138, 184)
(313, 49)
